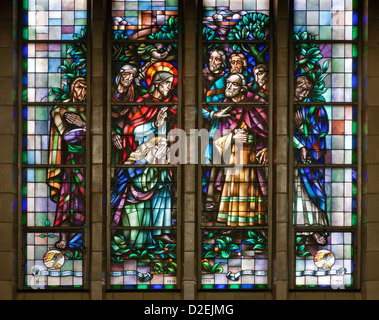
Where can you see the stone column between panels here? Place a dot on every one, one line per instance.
(189, 171)
(8, 154)
(280, 148)
(97, 183)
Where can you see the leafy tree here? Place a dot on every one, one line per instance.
(73, 67)
(253, 26)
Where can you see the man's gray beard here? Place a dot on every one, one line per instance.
(235, 70)
(125, 85)
(230, 94)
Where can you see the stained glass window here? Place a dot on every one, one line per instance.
(53, 108)
(144, 110)
(235, 161)
(325, 140)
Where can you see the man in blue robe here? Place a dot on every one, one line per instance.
(311, 128)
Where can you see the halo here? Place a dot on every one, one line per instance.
(162, 66)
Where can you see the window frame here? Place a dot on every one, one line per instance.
(108, 152)
(354, 230)
(272, 114)
(24, 229)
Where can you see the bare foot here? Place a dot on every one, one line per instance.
(61, 244)
(320, 239)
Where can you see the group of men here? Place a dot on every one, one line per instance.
(226, 80)
(235, 109)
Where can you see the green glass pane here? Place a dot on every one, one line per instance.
(338, 175)
(355, 33)
(355, 51)
(142, 287)
(354, 127)
(354, 220)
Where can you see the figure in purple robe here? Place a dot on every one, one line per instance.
(67, 147)
(244, 193)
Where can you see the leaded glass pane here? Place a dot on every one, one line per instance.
(234, 259)
(325, 140)
(235, 148)
(54, 124)
(49, 70)
(325, 266)
(50, 201)
(48, 267)
(327, 19)
(54, 19)
(145, 109)
(331, 69)
(151, 19)
(143, 263)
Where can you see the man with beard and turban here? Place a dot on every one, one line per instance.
(67, 147)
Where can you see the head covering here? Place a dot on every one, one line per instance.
(124, 68)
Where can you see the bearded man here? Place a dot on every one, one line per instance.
(123, 88)
(214, 70)
(68, 147)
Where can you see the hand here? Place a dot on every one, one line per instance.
(298, 118)
(262, 156)
(162, 115)
(161, 152)
(304, 155)
(117, 141)
(223, 113)
(74, 119)
(241, 135)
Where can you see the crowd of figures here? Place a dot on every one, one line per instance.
(142, 196)
(235, 108)
(145, 106)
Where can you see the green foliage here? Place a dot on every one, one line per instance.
(118, 245)
(300, 247)
(61, 94)
(73, 70)
(257, 240)
(158, 249)
(140, 254)
(169, 31)
(212, 269)
(165, 250)
(306, 53)
(307, 61)
(253, 26)
(171, 268)
(223, 248)
(73, 67)
(77, 50)
(209, 34)
(74, 256)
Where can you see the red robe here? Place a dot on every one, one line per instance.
(137, 115)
